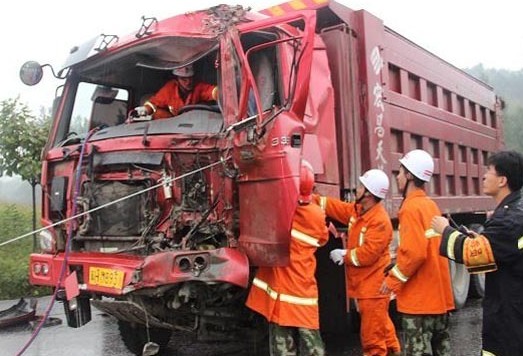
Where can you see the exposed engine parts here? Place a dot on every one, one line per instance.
(184, 213)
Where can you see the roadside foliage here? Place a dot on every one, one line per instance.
(16, 220)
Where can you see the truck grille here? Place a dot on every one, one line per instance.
(125, 218)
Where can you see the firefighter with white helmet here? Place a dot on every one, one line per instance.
(420, 277)
(365, 256)
(376, 182)
(178, 92)
(288, 296)
(419, 163)
(184, 72)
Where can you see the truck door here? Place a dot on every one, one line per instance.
(273, 67)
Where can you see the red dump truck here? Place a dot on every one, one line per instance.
(161, 223)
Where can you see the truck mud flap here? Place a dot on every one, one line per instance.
(130, 312)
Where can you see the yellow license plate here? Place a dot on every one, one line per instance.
(106, 277)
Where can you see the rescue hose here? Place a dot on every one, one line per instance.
(67, 246)
(75, 216)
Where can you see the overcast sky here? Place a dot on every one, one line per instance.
(462, 32)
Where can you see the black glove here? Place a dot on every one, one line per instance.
(388, 268)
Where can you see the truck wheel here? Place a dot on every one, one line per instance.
(460, 279)
(477, 286)
(256, 338)
(134, 336)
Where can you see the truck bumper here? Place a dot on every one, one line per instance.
(112, 274)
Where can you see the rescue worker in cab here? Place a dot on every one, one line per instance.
(420, 277)
(178, 92)
(498, 251)
(365, 257)
(288, 296)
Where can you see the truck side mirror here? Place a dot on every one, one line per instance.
(31, 73)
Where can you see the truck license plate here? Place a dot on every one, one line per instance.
(106, 277)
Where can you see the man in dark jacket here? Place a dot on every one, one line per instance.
(498, 250)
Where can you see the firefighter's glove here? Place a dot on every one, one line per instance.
(139, 111)
(388, 268)
(338, 256)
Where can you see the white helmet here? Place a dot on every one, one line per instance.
(419, 163)
(184, 72)
(376, 182)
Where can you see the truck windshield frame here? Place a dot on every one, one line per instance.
(131, 75)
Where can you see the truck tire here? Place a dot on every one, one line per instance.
(460, 279)
(256, 339)
(134, 336)
(477, 286)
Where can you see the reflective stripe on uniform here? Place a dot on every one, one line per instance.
(351, 221)
(265, 287)
(361, 238)
(310, 240)
(298, 300)
(287, 298)
(430, 233)
(397, 273)
(354, 258)
(323, 203)
(486, 353)
(151, 105)
(520, 243)
(450, 244)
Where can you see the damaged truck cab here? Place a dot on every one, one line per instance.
(162, 220)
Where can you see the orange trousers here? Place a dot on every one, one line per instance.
(377, 332)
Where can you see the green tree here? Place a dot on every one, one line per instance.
(514, 126)
(509, 85)
(14, 262)
(22, 138)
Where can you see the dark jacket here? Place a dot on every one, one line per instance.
(503, 301)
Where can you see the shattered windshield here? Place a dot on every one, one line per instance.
(165, 53)
(108, 87)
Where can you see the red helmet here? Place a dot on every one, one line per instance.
(306, 182)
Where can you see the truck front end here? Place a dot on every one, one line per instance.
(152, 234)
(159, 222)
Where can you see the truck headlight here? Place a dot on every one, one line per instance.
(46, 241)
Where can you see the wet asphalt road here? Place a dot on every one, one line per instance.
(101, 337)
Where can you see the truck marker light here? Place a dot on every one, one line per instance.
(46, 240)
(137, 276)
(45, 269)
(37, 268)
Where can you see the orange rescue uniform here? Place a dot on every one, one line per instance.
(369, 238)
(288, 296)
(420, 278)
(167, 101)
